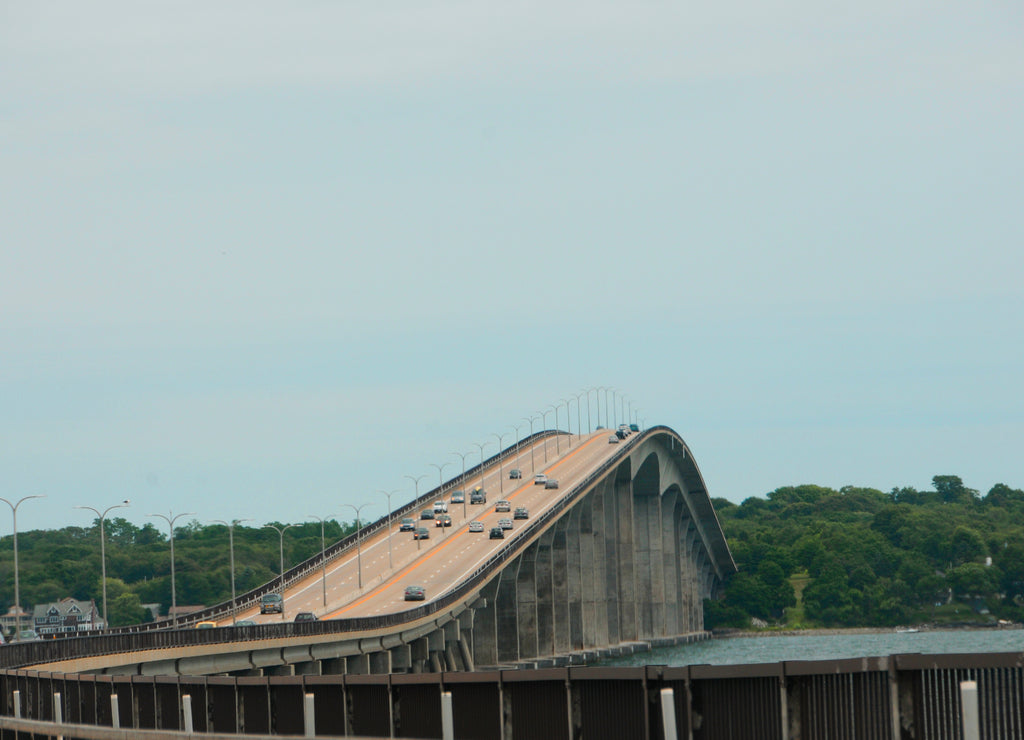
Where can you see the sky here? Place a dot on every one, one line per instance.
(264, 260)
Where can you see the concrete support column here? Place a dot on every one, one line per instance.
(671, 506)
(656, 554)
(588, 567)
(380, 662)
(308, 668)
(332, 667)
(526, 603)
(279, 670)
(545, 595)
(419, 650)
(560, 585)
(574, 579)
(357, 665)
(605, 624)
(485, 626)
(507, 613)
(642, 507)
(623, 498)
(401, 659)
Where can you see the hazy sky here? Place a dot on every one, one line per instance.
(262, 259)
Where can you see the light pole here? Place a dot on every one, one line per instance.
(389, 494)
(323, 553)
(103, 550)
(440, 474)
(481, 447)
(558, 448)
(607, 419)
(231, 550)
(416, 479)
(17, 585)
(171, 518)
(533, 468)
(544, 423)
(568, 421)
(501, 447)
(280, 531)
(590, 427)
(462, 481)
(579, 416)
(517, 427)
(359, 552)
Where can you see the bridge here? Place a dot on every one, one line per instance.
(623, 551)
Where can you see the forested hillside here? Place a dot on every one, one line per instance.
(66, 562)
(863, 557)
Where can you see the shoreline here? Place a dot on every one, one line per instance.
(955, 627)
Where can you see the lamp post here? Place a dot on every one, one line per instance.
(171, 518)
(481, 447)
(590, 427)
(568, 421)
(544, 423)
(103, 549)
(440, 474)
(359, 552)
(231, 550)
(17, 585)
(579, 415)
(323, 553)
(416, 480)
(462, 481)
(607, 419)
(389, 494)
(517, 427)
(501, 473)
(533, 468)
(558, 447)
(280, 531)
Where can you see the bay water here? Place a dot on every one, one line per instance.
(825, 645)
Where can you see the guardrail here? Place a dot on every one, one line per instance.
(899, 697)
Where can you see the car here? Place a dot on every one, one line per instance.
(620, 433)
(244, 623)
(306, 617)
(415, 593)
(440, 507)
(540, 479)
(624, 428)
(521, 512)
(478, 496)
(459, 497)
(551, 483)
(634, 427)
(421, 533)
(444, 520)
(496, 533)
(205, 625)
(272, 604)
(503, 505)
(515, 474)
(476, 526)
(505, 523)
(408, 524)
(613, 439)
(427, 514)
(29, 636)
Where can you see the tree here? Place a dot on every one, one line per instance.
(952, 490)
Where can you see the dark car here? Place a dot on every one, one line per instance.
(459, 497)
(634, 427)
(415, 593)
(497, 533)
(421, 533)
(478, 496)
(427, 514)
(521, 512)
(408, 524)
(515, 474)
(272, 603)
(305, 617)
(443, 520)
(551, 483)
(620, 433)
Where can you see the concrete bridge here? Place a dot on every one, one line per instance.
(623, 552)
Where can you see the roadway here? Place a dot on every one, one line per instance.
(392, 560)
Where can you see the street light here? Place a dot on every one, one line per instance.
(481, 446)
(323, 554)
(17, 586)
(416, 480)
(590, 426)
(170, 523)
(440, 471)
(359, 552)
(579, 416)
(231, 550)
(280, 531)
(389, 494)
(103, 550)
(568, 421)
(517, 427)
(533, 468)
(501, 447)
(558, 448)
(462, 481)
(544, 423)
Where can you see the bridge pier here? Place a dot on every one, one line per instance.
(505, 605)
(526, 602)
(560, 585)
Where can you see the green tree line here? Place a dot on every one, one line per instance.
(870, 558)
(54, 564)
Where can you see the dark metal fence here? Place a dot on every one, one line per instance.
(901, 697)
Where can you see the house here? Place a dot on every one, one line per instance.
(9, 621)
(66, 616)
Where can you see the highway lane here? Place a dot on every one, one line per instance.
(451, 553)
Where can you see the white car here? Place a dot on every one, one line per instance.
(476, 526)
(440, 507)
(613, 439)
(540, 479)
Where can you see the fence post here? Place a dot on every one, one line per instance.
(668, 714)
(969, 710)
(447, 719)
(115, 714)
(186, 708)
(16, 696)
(58, 712)
(309, 715)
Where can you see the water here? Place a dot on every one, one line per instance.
(768, 648)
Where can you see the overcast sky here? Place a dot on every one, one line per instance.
(262, 259)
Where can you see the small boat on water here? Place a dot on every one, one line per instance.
(906, 630)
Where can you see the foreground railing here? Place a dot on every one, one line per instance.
(888, 698)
